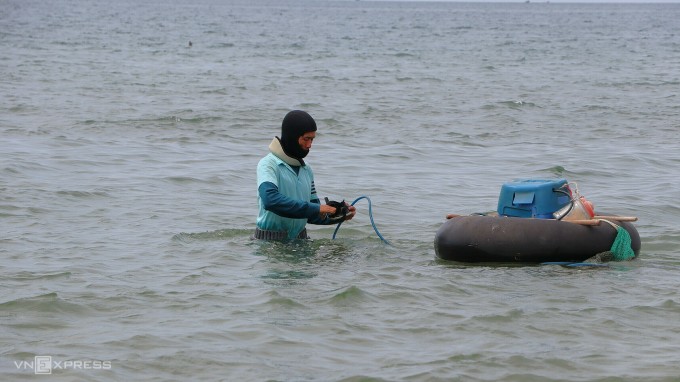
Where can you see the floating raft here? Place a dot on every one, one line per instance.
(482, 238)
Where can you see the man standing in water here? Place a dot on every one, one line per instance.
(286, 193)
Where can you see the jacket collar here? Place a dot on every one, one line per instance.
(276, 149)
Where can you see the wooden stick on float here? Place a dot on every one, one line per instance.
(597, 218)
(581, 222)
(594, 221)
(584, 221)
(617, 218)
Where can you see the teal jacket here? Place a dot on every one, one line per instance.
(287, 196)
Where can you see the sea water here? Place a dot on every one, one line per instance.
(130, 133)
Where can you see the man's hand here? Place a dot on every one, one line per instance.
(352, 212)
(326, 210)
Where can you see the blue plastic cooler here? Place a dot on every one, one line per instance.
(533, 198)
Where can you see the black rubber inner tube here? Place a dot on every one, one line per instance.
(477, 238)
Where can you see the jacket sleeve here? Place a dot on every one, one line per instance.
(287, 207)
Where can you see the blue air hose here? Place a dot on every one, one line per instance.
(370, 214)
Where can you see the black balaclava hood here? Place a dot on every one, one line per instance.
(295, 124)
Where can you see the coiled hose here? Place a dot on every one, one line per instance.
(370, 215)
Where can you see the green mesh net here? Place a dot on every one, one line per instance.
(621, 249)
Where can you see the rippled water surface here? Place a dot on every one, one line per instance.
(128, 190)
